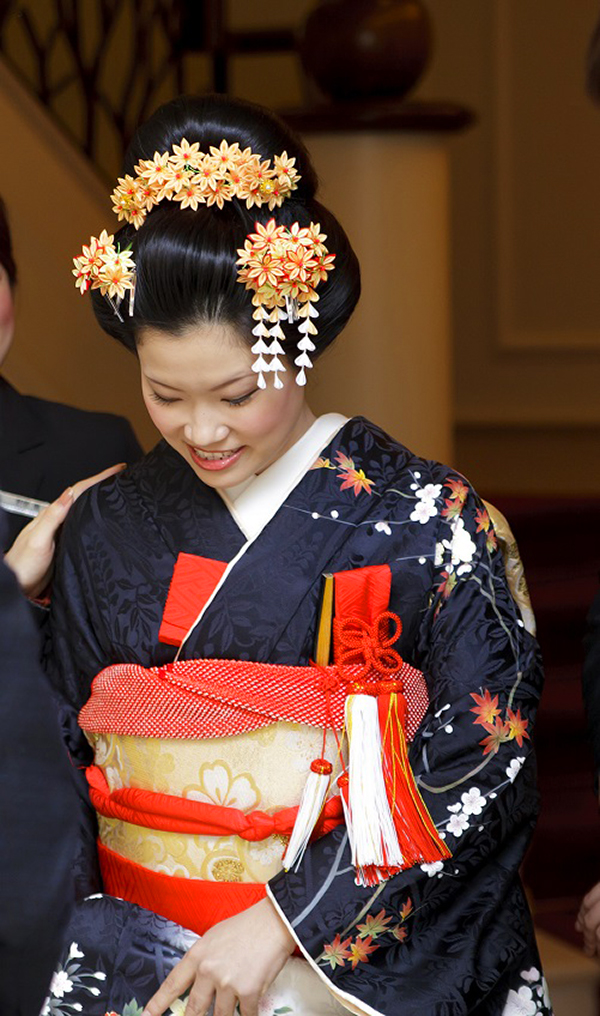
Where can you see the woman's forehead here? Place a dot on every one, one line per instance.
(214, 352)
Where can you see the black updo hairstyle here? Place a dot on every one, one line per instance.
(186, 260)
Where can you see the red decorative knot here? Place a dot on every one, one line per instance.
(368, 646)
(327, 679)
(343, 780)
(388, 687)
(321, 766)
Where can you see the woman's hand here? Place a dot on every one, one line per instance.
(32, 554)
(235, 961)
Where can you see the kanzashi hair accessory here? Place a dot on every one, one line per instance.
(282, 266)
(190, 177)
(193, 177)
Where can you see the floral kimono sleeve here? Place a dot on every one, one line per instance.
(454, 936)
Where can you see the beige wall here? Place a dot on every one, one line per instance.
(55, 203)
(526, 241)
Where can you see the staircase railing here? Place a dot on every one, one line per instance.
(101, 66)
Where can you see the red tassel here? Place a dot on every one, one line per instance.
(418, 838)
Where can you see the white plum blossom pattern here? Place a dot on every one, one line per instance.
(512, 770)
(383, 527)
(530, 998)
(520, 1003)
(473, 801)
(462, 546)
(434, 868)
(457, 823)
(429, 492)
(424, 510)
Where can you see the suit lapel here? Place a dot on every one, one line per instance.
(21, 432)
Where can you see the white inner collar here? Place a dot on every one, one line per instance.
(254, 502)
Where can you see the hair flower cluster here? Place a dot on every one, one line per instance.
(193, 177)
(278, 262)
(103, 266)
(283, 266)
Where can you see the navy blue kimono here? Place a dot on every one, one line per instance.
(442, 939)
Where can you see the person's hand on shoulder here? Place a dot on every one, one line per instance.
(588, 921)
(32, 554)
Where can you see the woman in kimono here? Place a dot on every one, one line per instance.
(200, 586)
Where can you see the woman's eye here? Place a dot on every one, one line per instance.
(162, 401)
(242, 399)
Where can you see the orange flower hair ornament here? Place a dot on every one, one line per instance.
(190, 177)
(283, 266)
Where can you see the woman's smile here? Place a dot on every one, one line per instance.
(215, 460)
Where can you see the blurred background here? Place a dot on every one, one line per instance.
(458, 145)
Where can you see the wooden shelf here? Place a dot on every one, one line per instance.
(379, 115)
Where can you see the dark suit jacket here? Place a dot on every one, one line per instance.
(46, 446)
(38, 813)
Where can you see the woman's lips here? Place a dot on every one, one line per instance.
(224, 461)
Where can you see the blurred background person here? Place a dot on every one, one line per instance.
(37, 804)
(46, 446)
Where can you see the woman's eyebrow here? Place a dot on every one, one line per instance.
(163, 384)
(232, 380)
(223, 384)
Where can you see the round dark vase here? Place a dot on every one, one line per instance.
(361, 49)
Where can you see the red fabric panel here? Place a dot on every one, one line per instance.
(178, 814)
(362, 592)
(194, 903)
(194, 579)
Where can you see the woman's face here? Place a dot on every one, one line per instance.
(201, 393)
(7, 314)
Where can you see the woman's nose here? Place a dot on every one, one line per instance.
(204, 430)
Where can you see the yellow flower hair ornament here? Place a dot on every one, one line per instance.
(103, 266)
(283, 266)
(190, 177)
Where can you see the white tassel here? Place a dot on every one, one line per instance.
(260, 365)
(306, 344)
(276, 365)
(307, 327)
(311, 805)
(374, 838)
